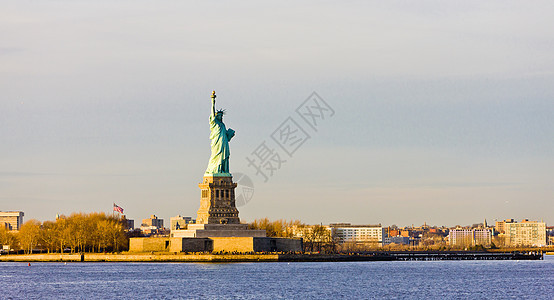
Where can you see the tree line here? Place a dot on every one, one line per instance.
(315, 237)
(318, 238)
(79, 232)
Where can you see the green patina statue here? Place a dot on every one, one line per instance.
(220, 136)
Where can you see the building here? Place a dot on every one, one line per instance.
(180, 222)
(526, 233)
(482, 236)
(461, 237)
(399, 240)
(128, 224)
(152, 225)
(470, 237)
(345, 232)
(550, 235)
(153, 221)
(393, 232)
(11, 220)
(501, 225)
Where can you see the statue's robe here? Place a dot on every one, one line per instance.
(220, 136)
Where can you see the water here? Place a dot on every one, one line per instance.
(348, 280)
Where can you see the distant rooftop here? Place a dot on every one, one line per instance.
(351, 226)
(12, 212)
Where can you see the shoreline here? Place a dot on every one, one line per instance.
(270, 257)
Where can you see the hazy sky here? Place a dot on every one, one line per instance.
(443, 111)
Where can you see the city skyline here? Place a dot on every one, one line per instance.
(443, 113)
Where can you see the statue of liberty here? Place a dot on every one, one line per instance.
(220, 136)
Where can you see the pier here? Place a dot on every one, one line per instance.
(414, 255)
(464, 255)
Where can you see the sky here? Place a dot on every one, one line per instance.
(436, 112)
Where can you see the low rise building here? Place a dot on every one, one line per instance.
(501, 225)
(152, 225)
(11, 220)
(128, 224)
(180, 222)
(550, 235)
(526, 233)
(394, 232)
(399, 240)
(153, 221)
(470, 237)
(345, 232)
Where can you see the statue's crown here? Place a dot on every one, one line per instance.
(220, 111)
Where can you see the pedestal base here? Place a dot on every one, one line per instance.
(217, 202)
(218, 230)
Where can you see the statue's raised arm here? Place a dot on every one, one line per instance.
(213, 103)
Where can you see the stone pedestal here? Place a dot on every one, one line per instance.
(217, 230)
(218, 226)
(217, 216)
(217, 202)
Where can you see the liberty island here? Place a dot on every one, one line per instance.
(218, 227)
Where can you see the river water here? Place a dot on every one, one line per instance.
(310, 280)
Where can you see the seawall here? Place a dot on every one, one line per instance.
(42, 257)
(269, 257)
(139, 257)
(145, 257)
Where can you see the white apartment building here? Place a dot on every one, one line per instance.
(470, 236)
(345, 232)
(526, 233)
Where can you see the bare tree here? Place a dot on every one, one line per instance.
(29, 235)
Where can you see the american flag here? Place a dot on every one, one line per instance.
(117, 208)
